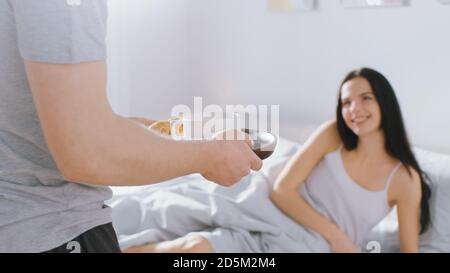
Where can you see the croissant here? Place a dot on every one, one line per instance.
(161, 126)
(164, 127)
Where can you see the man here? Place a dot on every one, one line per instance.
(61, 145)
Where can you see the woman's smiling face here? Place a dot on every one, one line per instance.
(360, 109)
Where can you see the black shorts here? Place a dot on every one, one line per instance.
(101, 239)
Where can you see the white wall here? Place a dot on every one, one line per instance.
(247, 54)
(239, 52)
(148, 57)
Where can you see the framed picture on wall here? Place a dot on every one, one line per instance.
(373, 3)
(291, 5)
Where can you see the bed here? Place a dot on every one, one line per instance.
(243, 213)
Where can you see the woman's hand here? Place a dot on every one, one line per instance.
(341, 243)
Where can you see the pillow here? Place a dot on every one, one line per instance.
(285, 147)
(437, 166)
(273, 165)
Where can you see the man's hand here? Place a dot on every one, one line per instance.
(230, 159)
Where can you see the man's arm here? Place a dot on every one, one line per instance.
(91, 144)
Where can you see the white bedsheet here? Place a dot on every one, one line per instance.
(180, 206)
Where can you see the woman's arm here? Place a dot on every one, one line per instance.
(408, 192)
(285, 193)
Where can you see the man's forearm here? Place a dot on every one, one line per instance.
(124, 153)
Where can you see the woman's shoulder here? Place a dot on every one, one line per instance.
(406, 184)
(323, 141)
(327, 136)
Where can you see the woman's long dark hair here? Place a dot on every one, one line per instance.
(396, 140)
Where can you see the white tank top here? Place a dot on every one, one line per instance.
(334, 194)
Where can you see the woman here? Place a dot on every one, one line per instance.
(349, 174)
(359, 167)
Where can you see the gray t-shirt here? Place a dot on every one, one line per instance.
(38, 209)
